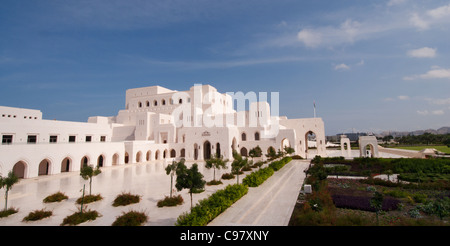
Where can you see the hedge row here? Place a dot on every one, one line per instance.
(277, 165)
(209, 208)
(256, 178)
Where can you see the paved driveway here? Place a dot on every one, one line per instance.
(270, 204)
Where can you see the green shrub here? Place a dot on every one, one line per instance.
(228, 176)
(8, 212)
(209, 208)
(56, 197)
(170, 201)
(126, 199)
(78, 218)
(256, 178)
(89, 199)
(37, 215)
(132, 218)
(214, 182)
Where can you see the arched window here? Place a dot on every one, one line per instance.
(173, 153)
(155, 103)
(140, 105)
(256, 136)
(244, 136)
(163, 102)
(147, 103)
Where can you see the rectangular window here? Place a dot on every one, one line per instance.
(72, 139)
(7, 139)
(32, 139)
(53, 139)
(103, 139)
(88, 138)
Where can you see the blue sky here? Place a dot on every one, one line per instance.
(368, 65)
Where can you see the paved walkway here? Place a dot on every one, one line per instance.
(270, 204)
(150, 181)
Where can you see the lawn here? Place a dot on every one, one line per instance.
(441, 148)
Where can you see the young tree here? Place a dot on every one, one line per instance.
(8, 181)
(255, 152)
(238, 163)
(216, 162)
(272, 154)
(87, 172)
(289, 150)
(171, 170)
(189, 178)
(376, 202)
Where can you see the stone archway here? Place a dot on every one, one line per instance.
(345, 146)
(311, 144)
(372, 143)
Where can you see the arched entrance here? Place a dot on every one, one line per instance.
(310, 144)
(84, 162)
(195, 151)
(65, 165)
(44, 167)
(138, 156)
(183, 153)
(149, 153)
(285, 143)
(206, 150)
(100, 161)
(157, 155)
(218, 150)
(115, 159)
(244, 151)
(233, 144)
(173, 153)
(126, 159)
(19, 169)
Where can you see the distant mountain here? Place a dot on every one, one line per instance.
(442, 130)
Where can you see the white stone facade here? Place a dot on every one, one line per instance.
(156, 124)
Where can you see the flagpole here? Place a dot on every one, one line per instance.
(314, 109)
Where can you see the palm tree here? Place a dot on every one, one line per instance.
(8, 181)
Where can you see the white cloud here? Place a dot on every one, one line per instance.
(419, 22)
(360, 63)
(309, 37)
(424, 112)
(402, 97)
(422, 52)
(440, 12)
(437, 112)
(439, 101)
(434, 73)
(341, 66)
(348, 31)
(395, 2)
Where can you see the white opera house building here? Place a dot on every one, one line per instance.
(157, 124)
